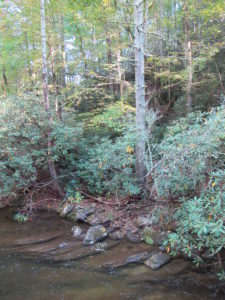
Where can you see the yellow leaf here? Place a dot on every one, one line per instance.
(213, 184)
(168, 249)
(210, 216)
(130, 150)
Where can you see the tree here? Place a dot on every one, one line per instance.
(51, 164)
(188, 57)
(139, 88)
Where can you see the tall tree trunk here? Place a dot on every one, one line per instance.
(175, 25)
(51, 164)
(188, 58)
(63, 51)
(81, 47)
(160, 28)
(109, 57)
(27, 57)
(120, 72)
(119, 67)
(139, 89)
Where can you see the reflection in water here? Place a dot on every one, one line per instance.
(22, 279)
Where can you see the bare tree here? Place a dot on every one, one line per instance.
(140, 88)
(51, 164)
(188, 57)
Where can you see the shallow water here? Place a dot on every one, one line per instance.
(26, 279)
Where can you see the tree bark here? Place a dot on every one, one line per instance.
(139, 90)
(4, 75)
(51, 164)
(63, 51)
(109, 57)
(188, 58)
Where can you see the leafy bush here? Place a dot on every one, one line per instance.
(86, 98)
(24, 144)
(108, 167)
(200, 221)
(190, 150)
(191, 167)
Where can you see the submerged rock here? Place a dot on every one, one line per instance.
(95, 234)
(139, 257)
(67, 208)
(157, 260)
(77, 231)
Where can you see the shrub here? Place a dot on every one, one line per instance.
(200, 221)
(108, 167)
(24, 145)
(190, 150)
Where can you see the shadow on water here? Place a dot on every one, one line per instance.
(26, 279)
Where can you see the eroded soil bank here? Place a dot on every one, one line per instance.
(43, 260)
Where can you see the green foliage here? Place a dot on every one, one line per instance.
(109, 121)
(87, 98)
(191, 149)
(200, 221)
(24, 143)
(148, 240)
(221, 275)
(21, 218)
(74, 197)
(108, 166)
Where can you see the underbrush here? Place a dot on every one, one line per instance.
(190, 169)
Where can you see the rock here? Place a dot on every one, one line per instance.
(157, 260)
(156, 236)
(117, 256)
(83, 213)
(77, 231)
(72, 216)
(144, 221)
(139, 257)
(133, 237)
(40, 238)
(2, 205)
(95, 234)
(148, 220)
(67, 208)
(118, 235)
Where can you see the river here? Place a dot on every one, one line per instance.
(30, 278)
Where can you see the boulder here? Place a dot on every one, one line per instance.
(77, 231)
(157, 260)
(67, 208)
(83, 213)
(95, 234)
(148, 220)
(133, 237)
(144, 221)
(118, 235)
(139, 257)
(156, 236)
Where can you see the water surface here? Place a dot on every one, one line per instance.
(26, 279)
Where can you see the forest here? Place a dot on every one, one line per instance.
(120, 103)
